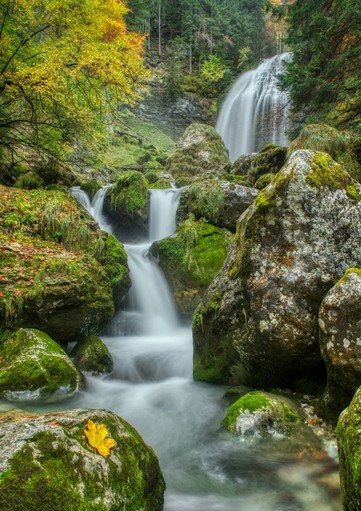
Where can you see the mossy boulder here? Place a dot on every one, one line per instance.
(59, 271)
(92, 356)
(199, 150)
(257, 323)
(340, 341)
(349, 451)
(127, 203)
(47, 463)
(91, 187)
(325, 138)
(218, 202)
(33, 366)
(262, 414)
(267, 161)
(190, 259)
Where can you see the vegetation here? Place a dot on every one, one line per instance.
(65, 68)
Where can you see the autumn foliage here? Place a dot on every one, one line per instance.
(65, 68)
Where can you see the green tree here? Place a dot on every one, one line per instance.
(325, 74)
(65, 67)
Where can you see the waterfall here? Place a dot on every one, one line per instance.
(152, 387)
(255, 111)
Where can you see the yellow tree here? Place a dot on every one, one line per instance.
(65, 67)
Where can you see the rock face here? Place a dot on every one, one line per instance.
(262, 414)
(92, 356)
(190, 259)
(199, 150)
(47, 463)
(34, 366)
(349, 448)
(340, 341)
(258, 322)
(218, 202)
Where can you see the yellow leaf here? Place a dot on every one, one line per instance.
(96, 434)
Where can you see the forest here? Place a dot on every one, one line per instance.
(180, 255)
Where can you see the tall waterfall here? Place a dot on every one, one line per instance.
(255, 111)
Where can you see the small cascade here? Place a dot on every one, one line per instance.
(255, 111)
(94, 207)
(162, 213)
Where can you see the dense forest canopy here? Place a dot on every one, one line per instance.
(65, 66)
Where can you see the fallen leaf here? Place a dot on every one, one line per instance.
(96, 434)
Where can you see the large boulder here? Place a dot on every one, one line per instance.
(258, 321)
(199, 150)
(48, 463)
(349, 451)
(219, 202)
(190, 259)
(33, 366)
(340, 341)
(267, 161)
(60, 273)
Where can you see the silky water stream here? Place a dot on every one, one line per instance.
(206, 468)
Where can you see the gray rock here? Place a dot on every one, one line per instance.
(258, 322)
(93, 356)
(48, 463)
(199, 150)
(340, 341)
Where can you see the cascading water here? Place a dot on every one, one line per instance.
(152, 387)
(255, 111)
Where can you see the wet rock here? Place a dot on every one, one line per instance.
(349, 447)
(92, 356)
(127, 204)
(340, 340)
(47, 463)
(34, 366)
(199, 150)
(262, 414)
(258, 321)
(218, 202)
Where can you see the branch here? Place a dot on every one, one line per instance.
(21, 45)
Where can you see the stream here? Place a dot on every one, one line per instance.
(205, 467)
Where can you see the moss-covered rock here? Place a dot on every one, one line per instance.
(324, 138)
(349, 450)
(257, 323)
(92, 356)
(262, 414)
(47, 463)
(218, 202)
(190, 260)
(199, 150)
(127, 203)
(59, 271)
(268, 161)
(340, 341)
(33, 366)
(91, 187)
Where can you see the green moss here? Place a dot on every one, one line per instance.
(161, 184)
(353, 193)
(327, 173)
(91, 187)
(357, 271)
(264, 181)
(130, 193)
(92, 355)
(206, 199)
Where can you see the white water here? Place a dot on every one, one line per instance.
(255, 111)
(206, 469)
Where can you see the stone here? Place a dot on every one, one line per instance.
(47, 463)
(257, 323)
(35, 367)
(349, 448)
(199, 150)
(340, 341)
(217, 201)
(92, 356)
